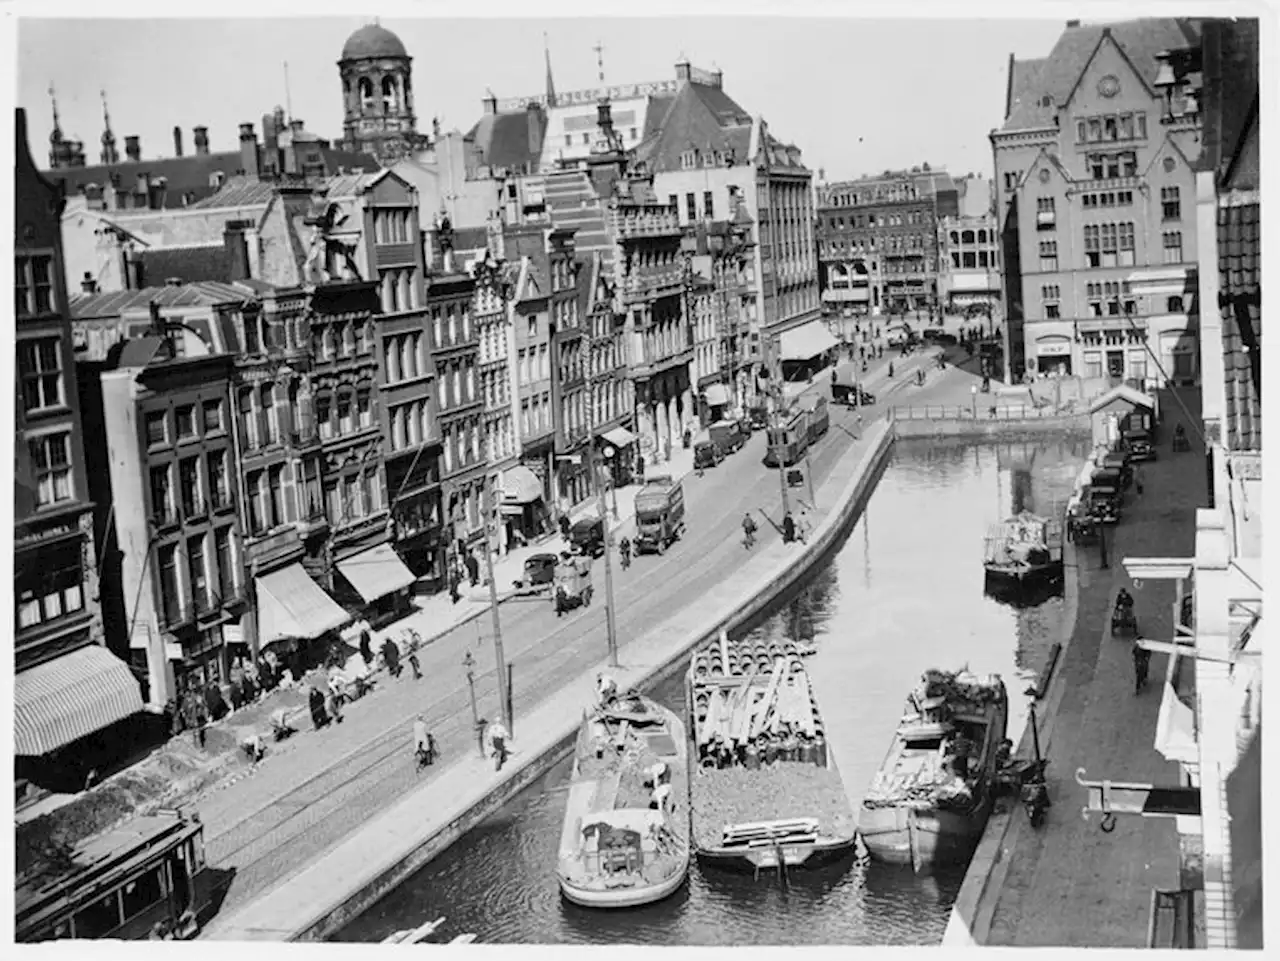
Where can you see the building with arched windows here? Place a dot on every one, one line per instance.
(968, 255)
(377, 96)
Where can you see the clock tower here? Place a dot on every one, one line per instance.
(377, 95)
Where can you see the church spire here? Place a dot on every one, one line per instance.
(56, 135)
(551, 86)
(109, 153)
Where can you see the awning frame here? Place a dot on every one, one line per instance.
(70, 697)
(378, 572)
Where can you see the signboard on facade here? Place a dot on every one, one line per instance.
(625, 91)
(1057, 348)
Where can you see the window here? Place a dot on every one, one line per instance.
(40, 369)
(185, 419)
(586, 139)
(1174, 304)
(1110, 128)
(364, 406)
(51, 589)
(161, 495)
(708, 204)
(1093, 294)
(1051, 295)
(51, 465)
(691, 206)
(226, 573)
(157, 429)
(212, 416)
(1170, 203)
(189, 483)
(324, 419)
(1142, 125)
(344, 412)
(219, 488)
(1128, 163)
(1048, 255)
(568, 140)
(1173, 247)
(1126, 126)
(1092, 251)
(199, 576)
(270, 424)
(1126, 245)
(32, 285)
(1096, 165)
(673, 201)
(275, 495)
(170, 598)
(1095, 129)
(1110, 245)
(314, 505)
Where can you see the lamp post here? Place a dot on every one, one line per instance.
(610, 619)
(469, 663)
(490, 525)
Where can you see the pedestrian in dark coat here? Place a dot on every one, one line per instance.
(473, 569)
(315, 702)
(391, 654)
(454, 594)
(788, 529)
(366, 648)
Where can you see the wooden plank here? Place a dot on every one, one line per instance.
(770, 695)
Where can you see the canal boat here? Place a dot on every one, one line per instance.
(625, 840)
(931, 798)
(764, 791)
(1023, 549)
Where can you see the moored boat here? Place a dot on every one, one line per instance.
(625, 840)
(1023, 548)
(931, 798)
(764, 788)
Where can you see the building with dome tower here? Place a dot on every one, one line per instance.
(377, 96)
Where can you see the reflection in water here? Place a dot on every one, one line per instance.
(884, 609)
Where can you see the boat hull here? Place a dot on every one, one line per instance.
(631, 897)
(815, 855)
(935, 837)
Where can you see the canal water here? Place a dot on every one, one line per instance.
(903, 593)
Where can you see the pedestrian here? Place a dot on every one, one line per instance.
(455, 594)
(424, 748)
(890, 368)
(624, 551)
(497, 736)
(333, 697)
(413, 658)
(366, 647)
(315, 703)
(1141, 663)
(639, 469)
(788, 529)
(391, 654)
(802, 526)
(1137, 479)
(473, 569)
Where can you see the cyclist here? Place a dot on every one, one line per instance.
(624, 549)
(748, 531)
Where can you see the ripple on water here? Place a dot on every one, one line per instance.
(903, 593)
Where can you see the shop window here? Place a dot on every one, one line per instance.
(52, 589)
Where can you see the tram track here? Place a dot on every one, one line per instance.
(327, 805)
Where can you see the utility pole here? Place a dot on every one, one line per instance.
(490, 522)
(610, 618)
(778, 432)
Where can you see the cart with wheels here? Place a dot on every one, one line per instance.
(572, 587)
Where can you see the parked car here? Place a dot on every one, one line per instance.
(759, 417)
(587, 536)
(941, 337)
(538, 569)
(706, 454)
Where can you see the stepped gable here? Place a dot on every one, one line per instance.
(1056, 75)
(573, 204)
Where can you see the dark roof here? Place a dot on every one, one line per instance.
(139, 351)
(191, 175)
(372, 41)
(238, 192)
(503, 138)
(187, 264)
(1229, 102)
(1056, 75)
(701, 117)
(115, 303)
(470, 238)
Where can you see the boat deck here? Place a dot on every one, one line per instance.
(780, 791)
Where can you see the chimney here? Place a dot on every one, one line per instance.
(1072, 23)
(177, 141)
(717, 78)
(200, 137)
(142, 183)
(248, 150)
(88, 285)
(133, 148)
(233, 240)
(534, 115)
(295, 126)
(684, 72)
(490, 103)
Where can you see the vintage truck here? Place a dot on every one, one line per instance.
(659, 514)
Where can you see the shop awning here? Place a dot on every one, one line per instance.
(377, 572)
(71, 696)
(291, 604)
(619, 436)
(807, 340)
(979, 280)
(717, 395)
(520, 485)
(852, 295)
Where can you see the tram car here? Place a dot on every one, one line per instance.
(788, 442)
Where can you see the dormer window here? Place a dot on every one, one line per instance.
(689, 159)
(216, 179)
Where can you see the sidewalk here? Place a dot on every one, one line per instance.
(1069, 884)
(344, 880)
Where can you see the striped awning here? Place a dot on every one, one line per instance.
(717, 395)
(71, 696)
(292, 605)
(806, 341)
(376, 572)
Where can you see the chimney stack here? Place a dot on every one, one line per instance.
(133, 148)
(490, 103)
(684, 71)
(1072, 23)
(200, 137)
(717, 78)
(177, 141)
(248, 150)
(88, 285)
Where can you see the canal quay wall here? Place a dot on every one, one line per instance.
(333, 890)
(935, 422)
